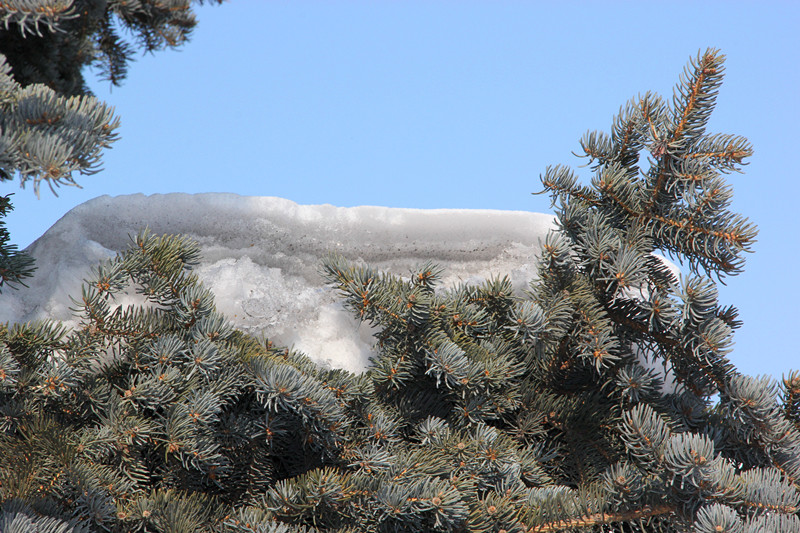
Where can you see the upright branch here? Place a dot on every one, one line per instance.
(680, 194)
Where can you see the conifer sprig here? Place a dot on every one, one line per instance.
(15, 265)
(48, 137)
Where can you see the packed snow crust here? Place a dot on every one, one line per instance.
(261, 258)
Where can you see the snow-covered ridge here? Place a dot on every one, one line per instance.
(261, 257)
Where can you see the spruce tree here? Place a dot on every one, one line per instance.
(484, 411)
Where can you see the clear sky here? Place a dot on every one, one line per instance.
(453, 104)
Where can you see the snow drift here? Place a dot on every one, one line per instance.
(261, 258)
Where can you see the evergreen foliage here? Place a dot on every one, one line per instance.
(50, 42)
(485, 411)
(48, 137)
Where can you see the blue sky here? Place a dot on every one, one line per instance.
(445, 104)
